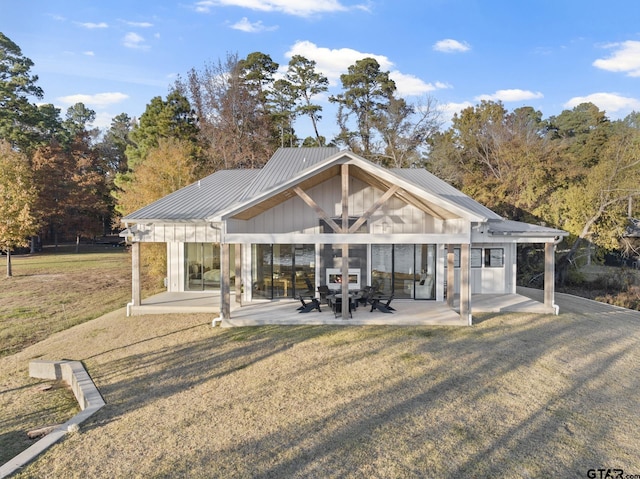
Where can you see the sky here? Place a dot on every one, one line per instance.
(552, 55)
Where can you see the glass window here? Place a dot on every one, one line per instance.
(425, 287)
(404, 272)
(381, 266)
(262, 270)
(494, 257)
(202, 266)
(476, 257)
(283, 270)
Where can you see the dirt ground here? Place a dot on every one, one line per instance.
(513, 396)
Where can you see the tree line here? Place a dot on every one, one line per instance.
(62, 179)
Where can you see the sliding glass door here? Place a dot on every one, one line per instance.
(404, 270)
(282, 270)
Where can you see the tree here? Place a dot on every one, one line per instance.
(18, 116)
(113, 160)
(405, 131)
(367, 92)
(78, 119)
(156, 177)
(282, 102)
(500, 158)
(72, 196)
(114, 145)
(17, 195)
(234, 120)
(581, 133)
(596, 207)
(307, 83)
(170, 118)
(257, 71)
(173, 118)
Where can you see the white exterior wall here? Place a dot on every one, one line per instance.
(294, 215)
(178, 232)
(488, 280)
(175, 266)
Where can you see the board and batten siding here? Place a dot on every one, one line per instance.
(294, 216)
(178, 232)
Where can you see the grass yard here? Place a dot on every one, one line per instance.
(53, 291)
(513, 396)
(516, 395)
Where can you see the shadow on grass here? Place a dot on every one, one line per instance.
(516, 396)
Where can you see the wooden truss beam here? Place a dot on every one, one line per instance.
(373, 208)
(315, 207)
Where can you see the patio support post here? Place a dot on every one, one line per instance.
(465, 286)
(549, 275)
(135, 275)
(238, 276)
(345, 246)
(225, 297)
(450, 275)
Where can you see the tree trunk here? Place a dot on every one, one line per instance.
(9, 271)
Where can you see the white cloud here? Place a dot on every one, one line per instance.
(98, 100)
(89, 53)
(245, 25)
(410, 85)
(299, 8)
(139, 24)
(103, 120)
(625, 58)
(609, 102)
(334, 62)
(513, 94)
(450, 109)
(133, 40)
(448, 45)
(92, 26)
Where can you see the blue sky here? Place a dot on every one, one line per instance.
(550, 54)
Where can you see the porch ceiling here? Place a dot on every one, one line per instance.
(381, 184)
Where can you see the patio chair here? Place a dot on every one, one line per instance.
(382, 303)
(324, 291)
(337, 307)
(310, 305)
(366, 295)
(309, 284)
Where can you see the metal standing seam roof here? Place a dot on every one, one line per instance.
(220, 190)
(285, 164)
(198, 200)
(518, 227)
(431, 183)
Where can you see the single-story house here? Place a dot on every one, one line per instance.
(313, 216)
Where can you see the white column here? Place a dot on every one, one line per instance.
(451, 275)
(135, 275)
(225, 298)
(465, 285)
(549, 275)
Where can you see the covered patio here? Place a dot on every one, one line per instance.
(284, 312)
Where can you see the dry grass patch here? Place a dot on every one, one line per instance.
(25, 406)
(53, 291)
(514, 396)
